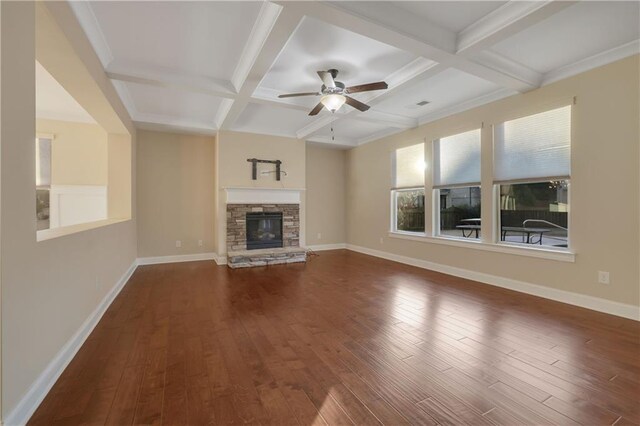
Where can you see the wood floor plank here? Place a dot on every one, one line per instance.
(343, 339)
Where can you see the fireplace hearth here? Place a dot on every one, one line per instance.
(264, 230)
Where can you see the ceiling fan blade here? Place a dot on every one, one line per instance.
(327, 79)
(380, 85)
(293, 95)
(317, 109)
(356, 104)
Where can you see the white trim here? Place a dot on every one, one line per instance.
(89, 23)
(541, 253)
(263, 195)
(323, 247)
(508, 19)
(600, 59)
(176, 258)
(42, 385)
(584, 301)
(221, 259)
(48, 234)
(465, 105)
(262, 27)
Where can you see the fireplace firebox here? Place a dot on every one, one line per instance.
(264, 230)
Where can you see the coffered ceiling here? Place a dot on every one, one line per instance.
(207, 66)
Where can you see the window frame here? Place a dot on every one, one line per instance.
(394, 210)
(497, 237)
(435, 199)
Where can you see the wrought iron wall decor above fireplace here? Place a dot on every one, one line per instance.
(264, 230)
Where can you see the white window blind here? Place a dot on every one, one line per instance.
(456, 160)
(409, 167)
(537, 146)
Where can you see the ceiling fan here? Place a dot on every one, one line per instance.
(335, 94)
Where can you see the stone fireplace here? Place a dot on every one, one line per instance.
(262, 233)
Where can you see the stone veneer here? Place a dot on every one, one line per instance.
(237, 224)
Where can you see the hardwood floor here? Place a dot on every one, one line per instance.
(344, 339)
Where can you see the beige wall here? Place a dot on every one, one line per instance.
(176, 189)
(233, 170)
(604, 187)
(326, 203)
(78, 152)
(48, 288)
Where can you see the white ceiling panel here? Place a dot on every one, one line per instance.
(575, 33)
(452, 15)
(54, 102)
(443, 90)
(173, 103)
(198, 38)
(316, 45)
(271, 120)
(349, 128)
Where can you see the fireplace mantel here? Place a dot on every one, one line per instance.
(263, 195)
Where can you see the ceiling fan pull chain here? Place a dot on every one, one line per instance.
(333, 136)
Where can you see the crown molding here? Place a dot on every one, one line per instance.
(598, 60)
(467, 105)
(158, 122)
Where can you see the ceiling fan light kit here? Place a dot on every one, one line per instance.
(334, 93)
(333, 102)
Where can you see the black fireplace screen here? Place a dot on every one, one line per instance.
(264, 230)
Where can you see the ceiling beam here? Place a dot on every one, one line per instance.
(369, 23)
(496, 61)
(171, 80)
(267, 18)
(286, 22)
(505, 21)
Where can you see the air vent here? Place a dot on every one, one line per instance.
(422, 103)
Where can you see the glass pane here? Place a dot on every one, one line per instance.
(409, 166)
(460, 212)
(535, 213)
(536, 146)
(410, 210)
(456, 159)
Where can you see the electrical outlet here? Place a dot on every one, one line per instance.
(199, 243)
(319, 235)
(178, 243)
(603, 277)
(381, 240)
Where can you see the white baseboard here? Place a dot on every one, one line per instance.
(584, 301)
(42, 385)
(322, 247)
(176, 258)
(221, 259)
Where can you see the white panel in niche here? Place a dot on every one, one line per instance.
(263, 196)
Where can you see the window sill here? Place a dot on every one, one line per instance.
(541, 253)
(49, 234)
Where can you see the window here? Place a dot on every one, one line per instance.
(408, 189)
(456, 183)
(43, 181)
(532, 172)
